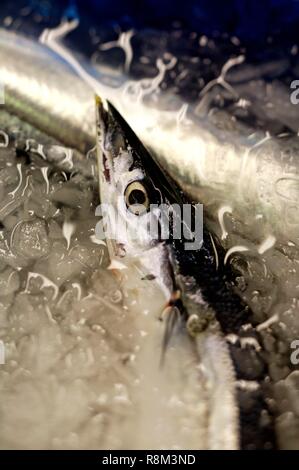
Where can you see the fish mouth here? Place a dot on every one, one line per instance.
(102, 126)
(102, 115)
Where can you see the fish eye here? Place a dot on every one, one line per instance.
(136, 198)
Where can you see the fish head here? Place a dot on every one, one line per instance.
(132, 186)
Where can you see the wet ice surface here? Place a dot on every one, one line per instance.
(58, 306)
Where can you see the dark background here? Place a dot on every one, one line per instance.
(250, 20)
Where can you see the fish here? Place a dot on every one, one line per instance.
(181, 287)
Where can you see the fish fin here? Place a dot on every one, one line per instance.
(173, 316)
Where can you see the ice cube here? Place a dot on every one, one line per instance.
(31, 240)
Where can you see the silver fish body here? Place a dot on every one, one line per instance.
(45, 92)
